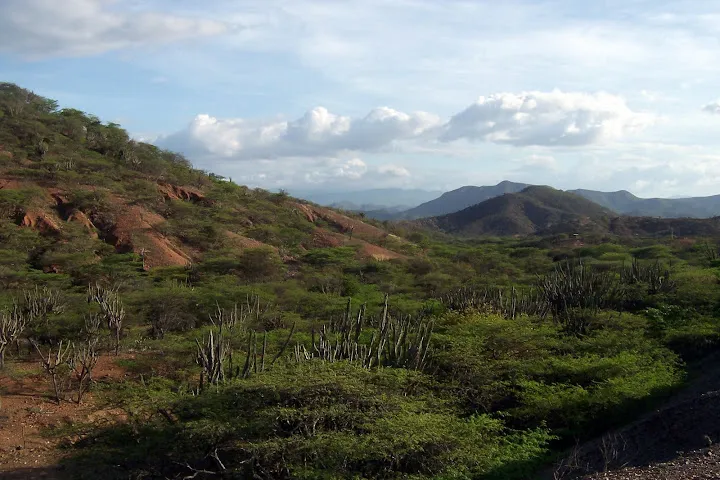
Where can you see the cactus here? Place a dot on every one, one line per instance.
(216, 356)
(401, 342)
(211, 354)
(509, 304)
(657, 278)
(39, 303)
(575, 291)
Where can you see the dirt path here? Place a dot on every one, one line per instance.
(28, 411)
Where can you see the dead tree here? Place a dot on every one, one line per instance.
(91, 332)
(54, 364)
(84, 360)
(112, 308)
(12, 325)
(39, 303)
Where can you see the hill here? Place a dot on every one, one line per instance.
(459, 199)
(622, 202)
(535, 210)
(85, 190)
(628, 204)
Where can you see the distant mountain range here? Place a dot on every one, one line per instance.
(460, 199)
(621, 202)
(389, 200)
(545, 210)
(626, 203)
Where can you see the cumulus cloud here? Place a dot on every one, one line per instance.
(540, 161)
(546, 118)
(393, 171)
(317, 133)
(336, 170)
(536, 118)
(39, 28)
(712, 107)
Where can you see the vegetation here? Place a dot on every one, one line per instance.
(265, 337)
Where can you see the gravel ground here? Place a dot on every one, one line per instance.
(698, 465)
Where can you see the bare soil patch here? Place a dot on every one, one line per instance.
(28, 412)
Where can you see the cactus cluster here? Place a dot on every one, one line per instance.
(216, 356)
(571, 293)
(396, 342)
(654, 275)
(579, 286)
(509, 303)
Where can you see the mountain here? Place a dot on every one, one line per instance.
(628, 204)
(459, 199)
(374, 199)
(622, 202)
(534, 210)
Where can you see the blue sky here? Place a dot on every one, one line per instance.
(345, 95)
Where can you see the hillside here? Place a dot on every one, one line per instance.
(84, 189)
(535, 210)
(459, 199)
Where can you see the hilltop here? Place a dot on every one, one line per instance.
(535, 210)
(547, 211)
(458, 199)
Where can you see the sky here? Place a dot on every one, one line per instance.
(340, 95)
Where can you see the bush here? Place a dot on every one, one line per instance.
(310, 421)
(260, 264)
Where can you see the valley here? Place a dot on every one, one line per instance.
(160, 321)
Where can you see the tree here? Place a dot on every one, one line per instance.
(17, 101)
(260, 264)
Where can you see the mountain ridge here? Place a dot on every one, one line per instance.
(621, 201)
(540, 210)
(534, 210)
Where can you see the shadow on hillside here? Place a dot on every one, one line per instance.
(44, 473)
(689, 421)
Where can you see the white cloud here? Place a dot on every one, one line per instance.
(546, 118)
(339, 173)
(393, 171)
(317, 133)
(541, 161)
(336, 170)
(649, 96)
(535, 118)
(41, 28)
(712, 107)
